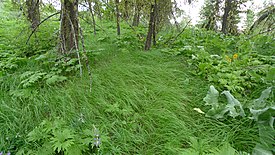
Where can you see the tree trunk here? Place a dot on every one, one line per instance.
(117, 18)
(33, 12)
(227, 9)
(93, 16)
(97, 9)
(176, 22)
(136, 15)
(155, 24)
(69, 26)
(151, 28)
(126, 9)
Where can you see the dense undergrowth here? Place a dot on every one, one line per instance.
(140, 102)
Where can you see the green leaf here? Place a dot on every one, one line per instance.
(55, 79)
(212, 97)
(262, 100)
(74, 150)
(259, 150)
(234, 107)
(226, 150)
(270, 77)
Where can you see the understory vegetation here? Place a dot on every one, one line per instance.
(201, 93)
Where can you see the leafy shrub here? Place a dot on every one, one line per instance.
(55, 137)
(261, 110)
(236, 73)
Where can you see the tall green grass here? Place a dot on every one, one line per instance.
(141, 102)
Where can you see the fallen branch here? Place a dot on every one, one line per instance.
(95, 24)
(269, 30)
(178, 34)
(33, 31)
(76, 45)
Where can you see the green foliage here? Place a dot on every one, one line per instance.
(262, 110)
(202, 148)
(30, 78)
(236, 64)
(55, 137)
(218, 110)
(132, 39)
(142, 102)
(236, 73)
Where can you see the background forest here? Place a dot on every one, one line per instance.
(127, 77)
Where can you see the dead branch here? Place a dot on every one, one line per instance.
(75, 42)
(178, 34)
(33, 31)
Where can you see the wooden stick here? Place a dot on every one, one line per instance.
(77, 49)
(39, 25)
(179, 33)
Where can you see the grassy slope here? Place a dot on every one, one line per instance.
(142, 103)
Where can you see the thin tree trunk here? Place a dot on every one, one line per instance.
(33, 12)
(97, 9)
(136, 15)
(117, 18)
(93, 16)
(227, 9)
(126, 9)
(176, 22)
(150, 28)
(155, 24)
(69, 25)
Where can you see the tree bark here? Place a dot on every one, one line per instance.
(126, 10)
(136, 15)
(151, 28)
(69, 26)
(33, 12)
(176, 22)
(93, 16)
(227, 9)
(155, 24)
(117, 17)
(97, 9)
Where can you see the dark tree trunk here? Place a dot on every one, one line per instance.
(151, 28)
(117, 17)
(69, 26)
(93, 16)
(227, 9)
(33, 12)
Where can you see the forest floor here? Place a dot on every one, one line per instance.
(140, 102)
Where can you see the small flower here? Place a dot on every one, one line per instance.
(81, 118)
(1, 153)
(235, 56)
(97, 142)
